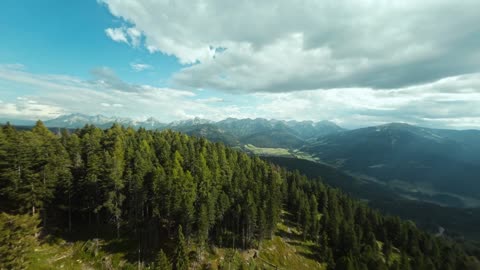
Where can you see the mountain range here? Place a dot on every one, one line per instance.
(234, 132)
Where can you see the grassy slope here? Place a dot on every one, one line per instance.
(285, 250)
(59, 254)
(288, 251)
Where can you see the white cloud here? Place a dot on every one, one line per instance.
(134, 35)
(283, 45)
(452, 102)
(25, 108)
(52, 95)
(116, 34)
(210, 100)
(131, 35)
(140, 67)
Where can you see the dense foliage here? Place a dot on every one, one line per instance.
(150, 186)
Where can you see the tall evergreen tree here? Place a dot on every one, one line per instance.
(114, 184)
(162, 262)
(181, 251)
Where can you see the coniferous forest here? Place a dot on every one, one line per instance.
(173, 195)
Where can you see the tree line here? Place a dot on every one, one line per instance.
(151, 186)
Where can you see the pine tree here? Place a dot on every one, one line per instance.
(345, 263)
(202, 225)
(90, 183)
(3, 166)
(404, 262)
(71, 183)
(329, 259)
(188, 197)
(114, 167)
(250, 219)
(49, 160)
(181, 255)
(395, 266)
(3, 150)
(387, 250)
(162, 262)
(372, 242)
(315, 217)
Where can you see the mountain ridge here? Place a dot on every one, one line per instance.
(233, 131)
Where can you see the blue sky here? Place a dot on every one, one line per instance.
(357, 63)
(68, 37)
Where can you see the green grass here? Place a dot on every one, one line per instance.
(286, 254)
(302, 155)
(287, 250)
(58, 254)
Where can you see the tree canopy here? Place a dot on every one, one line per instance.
(146, 185)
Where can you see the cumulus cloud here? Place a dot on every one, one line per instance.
(128, 35)
(282, 46)
(116, 34)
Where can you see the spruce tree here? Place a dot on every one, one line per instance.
(113, 183)
(162, 262)
(181, 251)
(202, 225)
(387, 250)
(404, 262)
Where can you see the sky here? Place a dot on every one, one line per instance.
(355, 62)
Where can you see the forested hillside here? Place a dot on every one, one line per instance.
(411, 158)
(175, 197)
